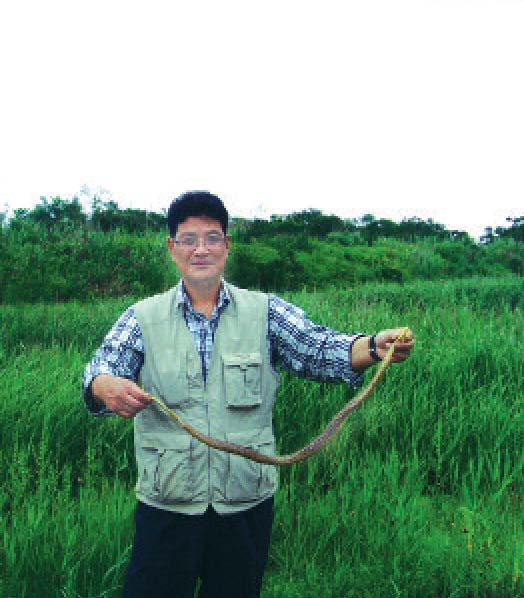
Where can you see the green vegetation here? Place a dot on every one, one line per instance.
(57, 253)
(420, 495)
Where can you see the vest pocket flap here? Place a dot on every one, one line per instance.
(242, 360)
(251, 438)
(173, 442)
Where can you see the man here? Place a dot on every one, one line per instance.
(209, 350)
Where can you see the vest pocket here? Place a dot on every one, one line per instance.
(247, 480)
(242, 379)
(164, 466)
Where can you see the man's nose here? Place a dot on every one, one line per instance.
(201, 244)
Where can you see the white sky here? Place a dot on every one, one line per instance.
(396, 108)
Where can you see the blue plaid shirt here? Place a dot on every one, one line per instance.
(294, 343)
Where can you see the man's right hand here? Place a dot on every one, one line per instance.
(119, 395)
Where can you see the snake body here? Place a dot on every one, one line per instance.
(331, 430)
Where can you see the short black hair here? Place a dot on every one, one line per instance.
(196, 203)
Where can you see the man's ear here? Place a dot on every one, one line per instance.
(171, 246)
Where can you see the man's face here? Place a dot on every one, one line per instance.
(199, 250)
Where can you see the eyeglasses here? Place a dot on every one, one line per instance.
(191, 241)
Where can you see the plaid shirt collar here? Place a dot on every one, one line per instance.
(184, 302)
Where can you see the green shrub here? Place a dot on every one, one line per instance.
(38, 265)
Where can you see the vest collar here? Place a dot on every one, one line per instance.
(183, 302)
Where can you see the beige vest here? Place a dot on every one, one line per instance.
(175, 471)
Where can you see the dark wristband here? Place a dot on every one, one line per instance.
(373, 349)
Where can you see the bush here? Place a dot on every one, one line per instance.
(37, 264)
(81, 268)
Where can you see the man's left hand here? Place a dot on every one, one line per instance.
(403, 347)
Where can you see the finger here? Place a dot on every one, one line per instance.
(404, 346)
(403, 349)
(134, 404)
(401, 353)
(144, 399)
(140, 395)
(127, 406)
(403, 335)
(400, 346)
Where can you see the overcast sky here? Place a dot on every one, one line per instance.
(396, 108)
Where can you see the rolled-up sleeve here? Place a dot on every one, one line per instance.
(120, 354)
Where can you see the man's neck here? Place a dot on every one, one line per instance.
(203, 296)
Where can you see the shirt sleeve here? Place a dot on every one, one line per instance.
(120, 354)
(309, 350)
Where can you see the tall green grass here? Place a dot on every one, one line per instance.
(421, 494)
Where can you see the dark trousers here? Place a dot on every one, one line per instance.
(171, 551)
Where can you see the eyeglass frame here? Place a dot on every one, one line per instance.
(191, 240)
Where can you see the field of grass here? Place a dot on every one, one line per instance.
(421, 494)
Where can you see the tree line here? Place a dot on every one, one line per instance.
(59, 215)
(58, 252)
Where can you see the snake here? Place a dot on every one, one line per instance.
(313, 447)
